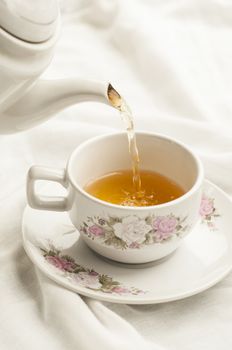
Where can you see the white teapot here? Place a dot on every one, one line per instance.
(28, 33)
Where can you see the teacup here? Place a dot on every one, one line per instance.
(125, 234)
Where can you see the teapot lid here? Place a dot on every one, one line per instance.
(33, 21)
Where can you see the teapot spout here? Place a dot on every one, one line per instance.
(48, 97)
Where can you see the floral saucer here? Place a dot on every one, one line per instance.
(202, 260)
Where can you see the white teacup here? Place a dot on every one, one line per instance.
(125, 234)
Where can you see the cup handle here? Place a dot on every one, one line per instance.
(37, 201)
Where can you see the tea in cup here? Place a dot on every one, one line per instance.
(127, 231)
(117, 187)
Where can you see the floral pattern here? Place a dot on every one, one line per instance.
(208, 212)
(132, 232)
(164, 227)
(83, 276)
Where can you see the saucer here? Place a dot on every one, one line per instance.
(203, 259)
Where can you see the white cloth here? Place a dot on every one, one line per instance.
(171, 60)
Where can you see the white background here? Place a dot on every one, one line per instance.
(172, 61)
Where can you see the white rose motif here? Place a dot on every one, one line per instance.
(87, 280)
(132, 230)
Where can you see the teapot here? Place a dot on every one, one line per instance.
(28, 34)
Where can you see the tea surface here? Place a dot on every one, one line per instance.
(118, 188)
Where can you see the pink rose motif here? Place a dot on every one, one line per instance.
(93, 273)
(60, 263)
(120, 290)
(164, 227)
(206, 207)
(96, 230)
(134, 245)
(89, 280)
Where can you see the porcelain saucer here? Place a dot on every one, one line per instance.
(202, 260)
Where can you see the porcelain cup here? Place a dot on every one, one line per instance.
(125, 234)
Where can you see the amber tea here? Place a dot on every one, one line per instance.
(118, 188)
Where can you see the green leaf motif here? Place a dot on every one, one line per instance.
(116, 242)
